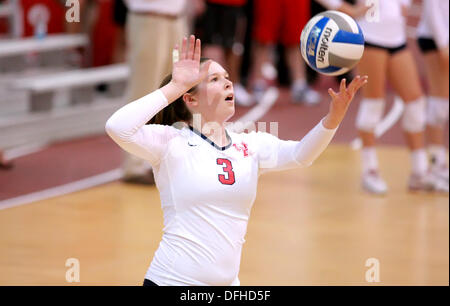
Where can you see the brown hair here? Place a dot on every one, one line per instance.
(175, 111)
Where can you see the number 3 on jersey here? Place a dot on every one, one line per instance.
(228, 168)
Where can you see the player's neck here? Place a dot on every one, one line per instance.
(220, 138)
(214, 131)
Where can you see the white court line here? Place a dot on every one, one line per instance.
(250, 117)
(28, 149)
(63, 189)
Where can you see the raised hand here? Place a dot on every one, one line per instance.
(341, 101)
(186, 72)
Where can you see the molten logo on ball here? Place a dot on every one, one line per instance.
(332, 43)
(324, 44)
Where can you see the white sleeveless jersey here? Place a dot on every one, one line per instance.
(434, 22)
(206, 191)
(383, 25)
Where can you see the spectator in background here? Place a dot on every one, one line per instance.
(223, 26)
(103, 22)
(281, 21)
(164, 22)
(433, 38)
(120, 19)
(387, 58)
(353, 8)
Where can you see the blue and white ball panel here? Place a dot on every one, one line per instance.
(313, 40)
(329, 31)
(332, 43)
(344, 22)
(305, 33)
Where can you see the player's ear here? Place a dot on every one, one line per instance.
(190, 100)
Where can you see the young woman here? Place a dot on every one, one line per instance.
(207, 176)
(387, 58)
(433, 39)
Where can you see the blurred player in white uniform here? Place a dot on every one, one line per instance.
(207, 175)
(387, 58)
(433, 39)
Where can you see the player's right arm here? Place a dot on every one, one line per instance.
(186, 72)
(127, 126)
(275, 154)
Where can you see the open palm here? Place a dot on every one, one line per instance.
(186, 71)
(340, 101)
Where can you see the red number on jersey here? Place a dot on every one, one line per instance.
(228, 169)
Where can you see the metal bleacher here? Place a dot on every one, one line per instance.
(53, 101)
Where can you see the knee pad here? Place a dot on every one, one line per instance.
(437, 111)
(414, 116)
(369, 114)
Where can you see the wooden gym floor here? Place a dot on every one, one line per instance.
(309, 226)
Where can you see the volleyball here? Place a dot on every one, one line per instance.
(332, 43)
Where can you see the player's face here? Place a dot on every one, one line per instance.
(215, 95)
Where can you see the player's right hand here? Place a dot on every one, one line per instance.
(187, 71)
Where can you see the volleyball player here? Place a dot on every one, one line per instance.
(433, 39)
(387, 57)
(281, 21)
(356, 10)
(206, 175)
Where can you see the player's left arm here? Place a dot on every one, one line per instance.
(283, 155)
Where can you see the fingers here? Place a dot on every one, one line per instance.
(363, 81)
(183, 54)
(198, 49)
(190, 54)
(353, 84)
(191, 51)
(332, 94)
(357, 83)
(342, 86)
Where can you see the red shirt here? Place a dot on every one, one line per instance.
(229, 2)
